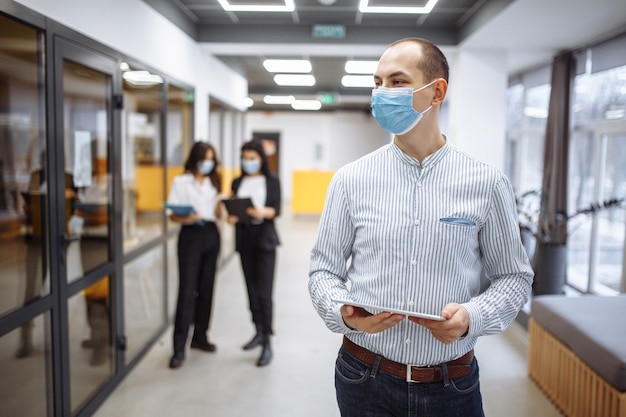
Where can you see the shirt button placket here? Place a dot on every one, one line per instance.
(416, 222)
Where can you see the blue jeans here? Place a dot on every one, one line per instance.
(365, 391)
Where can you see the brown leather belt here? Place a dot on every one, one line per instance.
(456, 368)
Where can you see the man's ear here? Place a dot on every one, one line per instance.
(441, 88)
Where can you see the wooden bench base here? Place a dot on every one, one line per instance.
(575, 389)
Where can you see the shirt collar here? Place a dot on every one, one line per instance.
(431, 160)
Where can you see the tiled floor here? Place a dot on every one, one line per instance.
(299, 382)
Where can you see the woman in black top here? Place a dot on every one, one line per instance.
(256, 240)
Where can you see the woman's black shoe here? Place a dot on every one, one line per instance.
(266, 355)
(256, 341)
(177, 360)
(206, 346)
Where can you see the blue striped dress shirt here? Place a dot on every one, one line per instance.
(400, 235)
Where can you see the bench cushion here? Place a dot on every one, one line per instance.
(593, 327)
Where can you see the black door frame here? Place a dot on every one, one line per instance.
(62, 50)
(89, 52)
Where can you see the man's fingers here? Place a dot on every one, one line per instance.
(455, 325)
(360, 319)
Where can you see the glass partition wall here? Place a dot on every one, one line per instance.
(142, 163)
(156, 133)
(87, 256)
(87, 227)
(25, 343)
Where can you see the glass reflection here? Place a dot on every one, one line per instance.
(87, 180)
(144, 304)
(90, 344)
(142, 164)
(179, 137)
(25, 392)
(23, 172)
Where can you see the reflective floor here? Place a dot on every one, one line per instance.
(299, 382)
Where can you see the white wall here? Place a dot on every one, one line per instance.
(317, 141)
(137, 30)
(477, 100)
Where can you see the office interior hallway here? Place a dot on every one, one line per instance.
(299, 381)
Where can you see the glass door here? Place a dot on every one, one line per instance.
(83, 174)
(25, 344)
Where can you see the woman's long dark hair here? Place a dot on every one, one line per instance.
(198, 153)
(256, 145)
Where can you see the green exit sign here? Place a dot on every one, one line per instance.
(327, 98)
(329, 31)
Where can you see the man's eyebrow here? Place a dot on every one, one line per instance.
(392, 75)
(398, 74)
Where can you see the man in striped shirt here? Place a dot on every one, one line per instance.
(411, 227)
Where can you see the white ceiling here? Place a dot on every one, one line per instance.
(532, 31)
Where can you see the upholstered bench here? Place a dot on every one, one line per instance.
(577, 353)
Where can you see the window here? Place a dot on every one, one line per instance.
(597, 178)
(596, 173)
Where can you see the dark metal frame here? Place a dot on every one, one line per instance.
(60, 42)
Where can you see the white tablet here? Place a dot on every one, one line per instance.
(392, 310)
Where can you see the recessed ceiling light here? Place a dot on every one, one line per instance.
(306, 105)
(289, 6)
(278, 99)
(358, 81)
(304, 80)
(361, 67)
(248, 102)
(364, 7)
(287, 65)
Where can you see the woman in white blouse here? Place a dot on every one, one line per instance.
(198, 247)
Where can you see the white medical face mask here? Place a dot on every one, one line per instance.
(250, 166)
(205, 166)
(393, 108)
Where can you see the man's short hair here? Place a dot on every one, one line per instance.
(433, 63)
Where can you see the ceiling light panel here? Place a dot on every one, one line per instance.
(278, 99)
(365, 81)
(361, 67)
(306, 105)
(286, 6)
(288, 65)
(364, 7)
(294, 80)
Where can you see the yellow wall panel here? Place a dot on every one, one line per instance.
(309, 191)
(149, 186)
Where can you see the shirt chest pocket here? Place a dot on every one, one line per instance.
(450, 235)
(459, 221)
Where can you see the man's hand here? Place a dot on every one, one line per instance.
(359, 319)
(454, 327)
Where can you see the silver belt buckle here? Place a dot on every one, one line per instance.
(409, 368)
